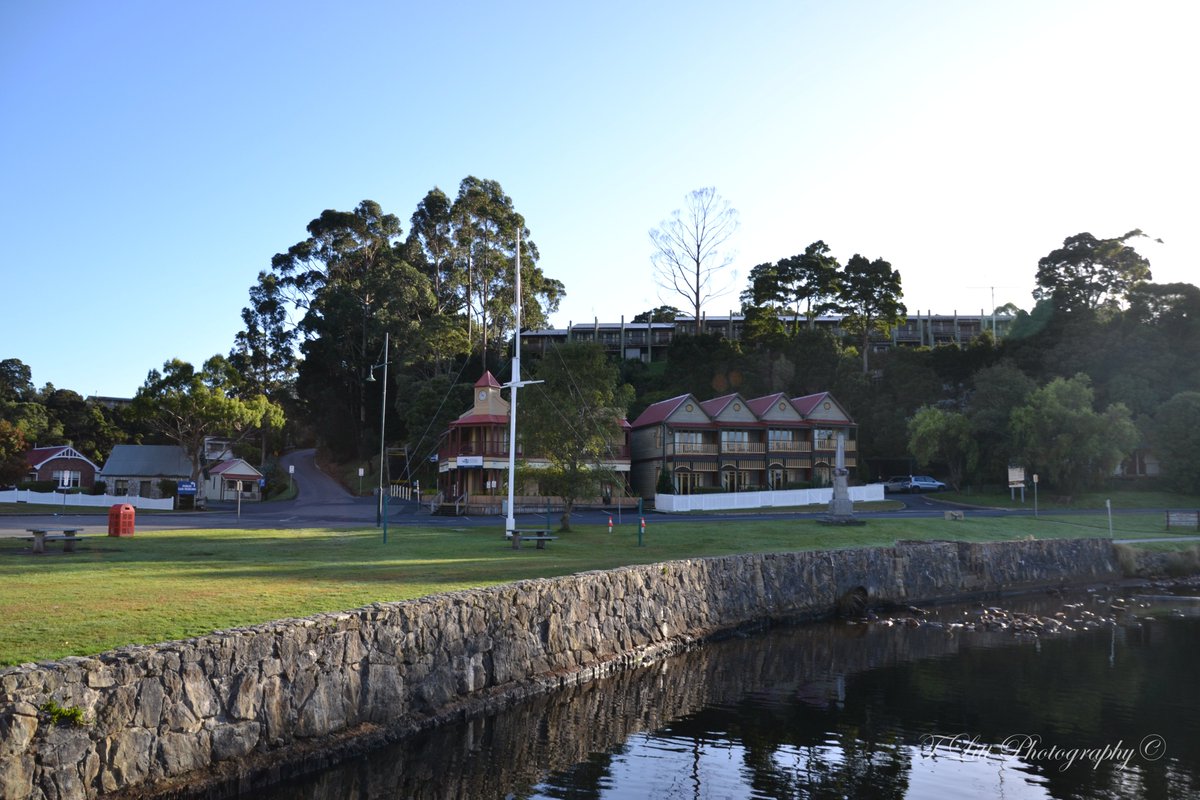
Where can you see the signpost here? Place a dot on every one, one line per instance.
(1016, 477)
(186, 489)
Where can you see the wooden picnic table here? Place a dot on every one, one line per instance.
(539, 535)
(68, 536)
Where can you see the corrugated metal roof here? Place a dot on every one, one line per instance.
(148, 461)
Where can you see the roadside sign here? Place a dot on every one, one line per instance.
(1016, 477)
(186, 488)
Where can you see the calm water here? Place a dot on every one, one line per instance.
(836, 710)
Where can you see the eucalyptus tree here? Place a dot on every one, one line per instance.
(185, 405)
(1059, 434)
(351, 283)
(431, 249)
(573, 419)
(805, 284)
(1087, 273)
(816, 280)
(689, 249)
(943, 436)
(663, 313)
(870, 297)
(486, 229)
(264, 351)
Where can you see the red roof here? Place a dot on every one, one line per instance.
(38, 456)
(717, 404)
(807, 404)
(487, 380)
(657, 412)
(759, 405)
(235, 469)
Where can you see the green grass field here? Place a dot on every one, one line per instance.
(162, 585)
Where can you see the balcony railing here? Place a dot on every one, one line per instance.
(743, 447)
(789, 447)
(691, 449)
(500, 450)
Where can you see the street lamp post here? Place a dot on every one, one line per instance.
(381, 504)
(1035, 485)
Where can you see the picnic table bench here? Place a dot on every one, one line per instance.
(68, 536)
(539, 535)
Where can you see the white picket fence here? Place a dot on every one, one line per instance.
(783, 498)
(83, 500)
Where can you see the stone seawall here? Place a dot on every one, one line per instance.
(180, 712)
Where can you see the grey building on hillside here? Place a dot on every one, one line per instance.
(135, 469)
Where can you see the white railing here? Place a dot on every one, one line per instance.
(83, 500)
(783, 498)
(402, 492)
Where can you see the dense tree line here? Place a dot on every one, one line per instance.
(1103, 365)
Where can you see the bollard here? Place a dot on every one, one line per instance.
(641, 532)
(610, 523)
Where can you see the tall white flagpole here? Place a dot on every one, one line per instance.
(510, 523)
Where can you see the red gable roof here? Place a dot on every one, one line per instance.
(487, 380)
(236, 467)
(38, 456)
(659, 411)
(717, 404)
(759, 405)
(805, 405)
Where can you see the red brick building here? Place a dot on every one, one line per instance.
(62, 464)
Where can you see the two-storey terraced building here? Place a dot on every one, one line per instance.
(733, 444)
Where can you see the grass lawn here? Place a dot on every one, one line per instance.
(162, 585)
(1121, 499)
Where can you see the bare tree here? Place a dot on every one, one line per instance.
(688, 251)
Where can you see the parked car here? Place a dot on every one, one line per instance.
(924, 483)
(912, 483)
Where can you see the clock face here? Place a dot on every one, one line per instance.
(483, 394)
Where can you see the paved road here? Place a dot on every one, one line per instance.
(322, 502)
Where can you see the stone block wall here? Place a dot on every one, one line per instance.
(175, 712)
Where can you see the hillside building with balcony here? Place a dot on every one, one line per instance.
(733, 444)
(473, 460)
(649, 341)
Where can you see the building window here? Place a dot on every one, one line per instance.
(66, 477)
(735, 437)
(121, 487)
(689, 442)
(777, 436)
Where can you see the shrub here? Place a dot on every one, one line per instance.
(62, 715)
(168, 487)
(1127, 560)
(99, 488)
(665, 484)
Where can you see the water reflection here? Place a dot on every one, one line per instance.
(832, 710)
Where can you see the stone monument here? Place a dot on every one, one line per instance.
(841, 508)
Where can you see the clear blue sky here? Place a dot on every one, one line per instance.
(155, 155)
